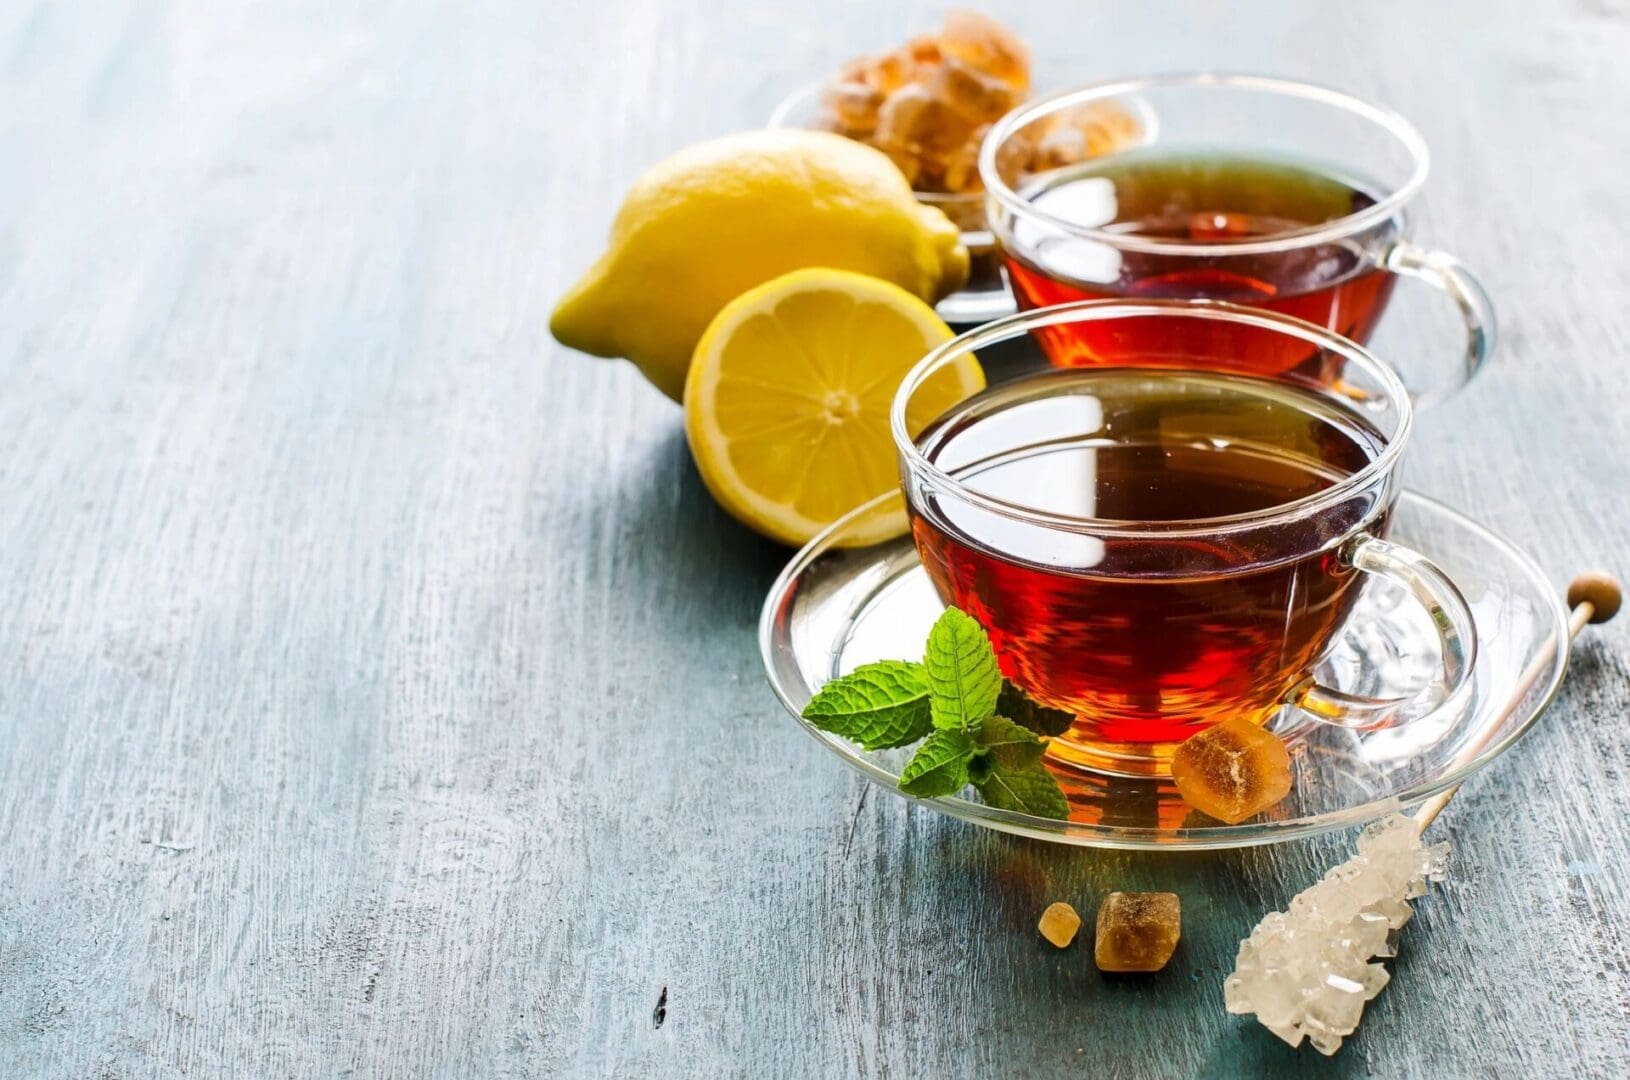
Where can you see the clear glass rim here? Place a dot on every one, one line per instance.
(1095, 310)
(1136, 838)
(998, 191)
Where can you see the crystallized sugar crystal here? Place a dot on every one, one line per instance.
(982, 41)
(1137, 931)
(1232, 770)
(1059, 924)
(1307, 972)
(929, 104)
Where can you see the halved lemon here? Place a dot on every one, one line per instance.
(787, 398)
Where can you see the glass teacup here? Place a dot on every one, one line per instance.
(1266, 192)
(1156, 549)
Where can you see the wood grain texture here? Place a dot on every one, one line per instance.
(381, 696)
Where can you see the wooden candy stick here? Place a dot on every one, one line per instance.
(1307, 973)
(1594, 597)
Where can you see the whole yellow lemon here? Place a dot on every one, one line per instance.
(718, 218)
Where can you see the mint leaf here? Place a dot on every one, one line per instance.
(962, 672)
(940, 765)
(876, 705)
(1003, 740)
(1009, 774)
(1028, 788)
(1021, 708)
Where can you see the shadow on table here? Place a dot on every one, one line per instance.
(671, 529)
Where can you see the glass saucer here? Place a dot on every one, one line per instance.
(843, 602)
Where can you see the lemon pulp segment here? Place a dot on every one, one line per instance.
(787, 399)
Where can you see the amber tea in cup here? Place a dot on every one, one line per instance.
(1202, 198)
(1150, 640)
(1275, 194)
(1156, 550)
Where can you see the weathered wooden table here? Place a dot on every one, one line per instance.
(380, 695)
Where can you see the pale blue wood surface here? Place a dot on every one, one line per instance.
(381, 696)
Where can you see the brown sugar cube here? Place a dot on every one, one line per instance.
(930, 177)
(988, 45)
(914, 119)
(922, 52)
(854, 104)
(1015, 155)
(977, 95)
(890, 72)
(1137, 931)
(904, 159)
(1105, 127)
(856, 70)
(1059, 924)
(1064, 144)
(962, 167)
(1232, 770)
(968, 215)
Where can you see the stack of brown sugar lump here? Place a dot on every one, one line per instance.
(929, 103)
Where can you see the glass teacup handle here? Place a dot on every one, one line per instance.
(1451, 618)
(1447, 274)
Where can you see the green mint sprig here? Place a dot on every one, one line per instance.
(876, 705)
(1026, 711)
(976, 727)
